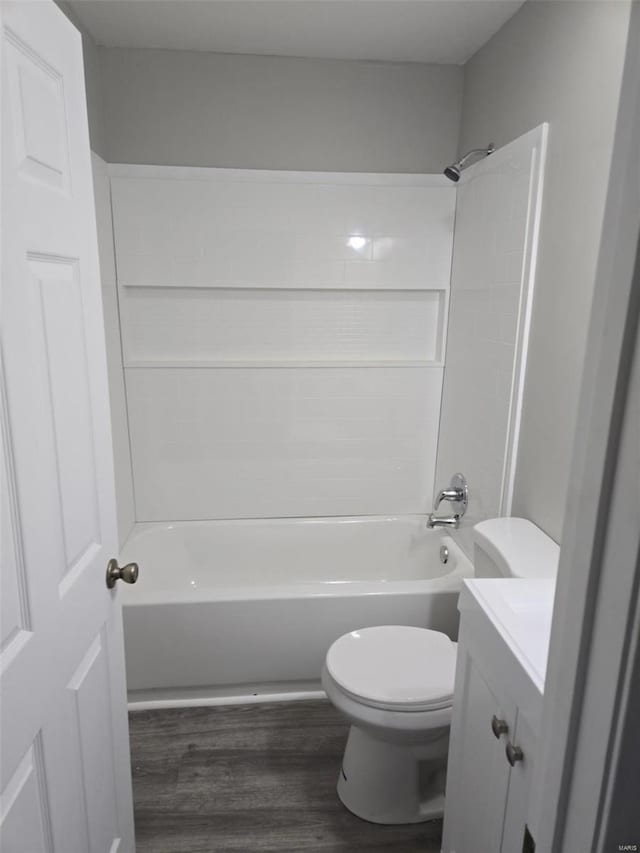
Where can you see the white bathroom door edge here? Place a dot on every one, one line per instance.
(65, 776)
(579, 800)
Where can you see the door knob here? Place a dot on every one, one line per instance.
(128, 573)
(514, 754)
(498, 726)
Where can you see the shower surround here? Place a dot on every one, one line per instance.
(283, 337)
(283, 342)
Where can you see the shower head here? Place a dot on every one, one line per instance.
(454, 171)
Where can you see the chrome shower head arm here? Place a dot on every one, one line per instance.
(482, 152)
(454, 170)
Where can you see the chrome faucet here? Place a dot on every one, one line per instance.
(458, 492)
(443, 521)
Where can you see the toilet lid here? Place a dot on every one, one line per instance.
(394, 666)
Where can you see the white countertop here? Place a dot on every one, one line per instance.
(521, 612)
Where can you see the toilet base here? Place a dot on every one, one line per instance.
(393, 783)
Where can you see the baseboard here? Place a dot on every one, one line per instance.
(156, 699)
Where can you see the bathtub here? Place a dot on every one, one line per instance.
(246, 608)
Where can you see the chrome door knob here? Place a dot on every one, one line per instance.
(128, 573)
(498, 726)
(514, 754)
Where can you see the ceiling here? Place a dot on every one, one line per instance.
(439, 31)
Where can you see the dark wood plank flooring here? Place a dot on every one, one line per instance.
(246, 778)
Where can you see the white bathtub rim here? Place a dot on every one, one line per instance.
(450, 582)
(142, 528)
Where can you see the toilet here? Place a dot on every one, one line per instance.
(395, 683)
(393, 770)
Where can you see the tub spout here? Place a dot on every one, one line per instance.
(443, 521)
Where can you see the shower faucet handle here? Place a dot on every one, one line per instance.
(448, 495)
(458, 492)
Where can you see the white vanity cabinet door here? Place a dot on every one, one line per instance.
(519, 786)
(478, 771)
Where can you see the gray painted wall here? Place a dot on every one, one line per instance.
(559, 62)
(205, 109)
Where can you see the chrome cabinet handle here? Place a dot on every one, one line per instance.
(499, 727)
(128, 573)
(514, 754)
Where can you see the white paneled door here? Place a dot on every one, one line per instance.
(64, 765)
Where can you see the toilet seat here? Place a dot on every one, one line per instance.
(395, 668)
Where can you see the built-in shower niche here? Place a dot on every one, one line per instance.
(259, 327)
(283, 339)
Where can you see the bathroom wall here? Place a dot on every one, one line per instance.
(259, 112)
(559, 62)
(283, 339)
(364, 433)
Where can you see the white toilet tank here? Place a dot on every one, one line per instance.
(513, 548)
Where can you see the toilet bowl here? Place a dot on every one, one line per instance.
(395, 686)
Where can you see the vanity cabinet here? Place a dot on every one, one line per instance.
(494, 731)
(517, 807)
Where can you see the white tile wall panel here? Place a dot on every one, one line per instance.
(491, 292)
(227, 443)
(183, 325)
(225, 228)
(260, 312)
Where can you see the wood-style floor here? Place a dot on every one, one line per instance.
(251, 778)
